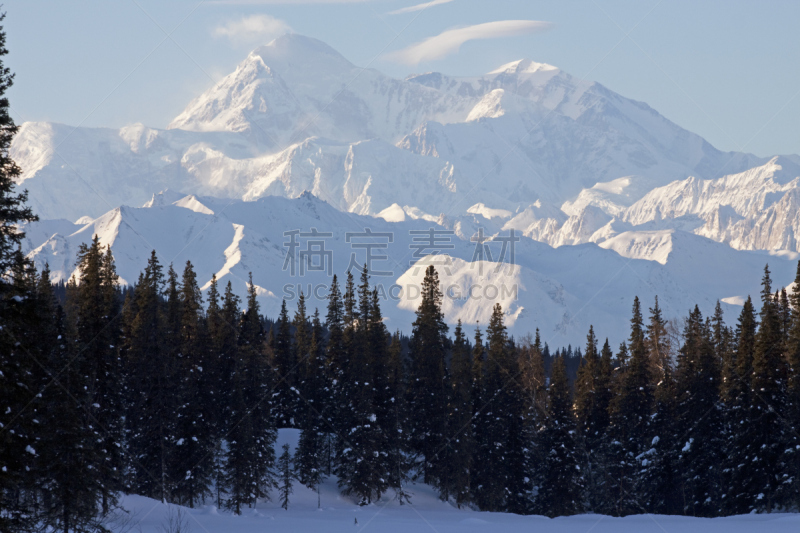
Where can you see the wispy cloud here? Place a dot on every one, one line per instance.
(252, 29)
(450, 41)
(419, 7)
(279, 2)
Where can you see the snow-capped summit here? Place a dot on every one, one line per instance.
(523, 66)
(568, 159)
(297, 87)
(299, 58)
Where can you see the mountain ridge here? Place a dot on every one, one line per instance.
(596, 184)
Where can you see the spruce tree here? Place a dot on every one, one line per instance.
(562, 481)
(738, 480)
(767, 402)
(222, 317)
(396, 425)
(335, 404)
(285, 473)
(13, 208)
(500, 458)
(151, 373)
(792, 453)
(724, 348)
(17, 429)
(657, 483)
(215, 360)
(286, 370)
(585, 386)
(630, 412)
(534, 409)
(226, 341)
(428, 394)
(699, 420)
(193, 464)
(311, 447)
(386, 424)
(302, 358)
(458, 449)
(363, 459)
(68, 462)
(96, 337)
(592, 397)
(250, 460)
(21, 382)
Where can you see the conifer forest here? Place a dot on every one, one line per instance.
(153, 391)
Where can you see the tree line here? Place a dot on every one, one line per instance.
(162, 392)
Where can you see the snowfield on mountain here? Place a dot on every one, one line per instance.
(609, 198)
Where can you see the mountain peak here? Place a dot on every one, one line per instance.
(523, 66)
(293, 51)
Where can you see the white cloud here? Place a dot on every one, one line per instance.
(419, 7)
(252, 29)
(450, 41)
(280, 2)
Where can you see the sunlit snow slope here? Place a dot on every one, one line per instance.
(610, 198)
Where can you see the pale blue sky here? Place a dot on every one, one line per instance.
(727, 70)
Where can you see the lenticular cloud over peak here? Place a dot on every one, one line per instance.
(448, 42)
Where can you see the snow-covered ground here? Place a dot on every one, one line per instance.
(426, 512)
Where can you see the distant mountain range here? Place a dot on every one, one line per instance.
(606, 194)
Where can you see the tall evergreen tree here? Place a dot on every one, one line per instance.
(302, 358)
(250, 460)
(768, 437)
(500, 459)
(699, 419)
(13, 208)
(657, 483)
(385, 387)
(311, 447)
(70, 479)
(222, 318)
(738, 482)
(285, 476)
(592, 397)
(335, 366)
(428, 395)
(193, 465)
(286, 370)
(792, 453)
(586, 387)
(17, 369)
(215, 360)
(396, 424)
(457, 453)
(534, 409)
(630, 412)
(96, 337)
(363, 458)
(150, 371)
(562, 481)
(227, 342)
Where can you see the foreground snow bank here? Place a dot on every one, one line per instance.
(426, 513)
(329, 511)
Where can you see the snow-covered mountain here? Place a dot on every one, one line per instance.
(297, 87)
(559, 290)
(607, 194)
(295, 115)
